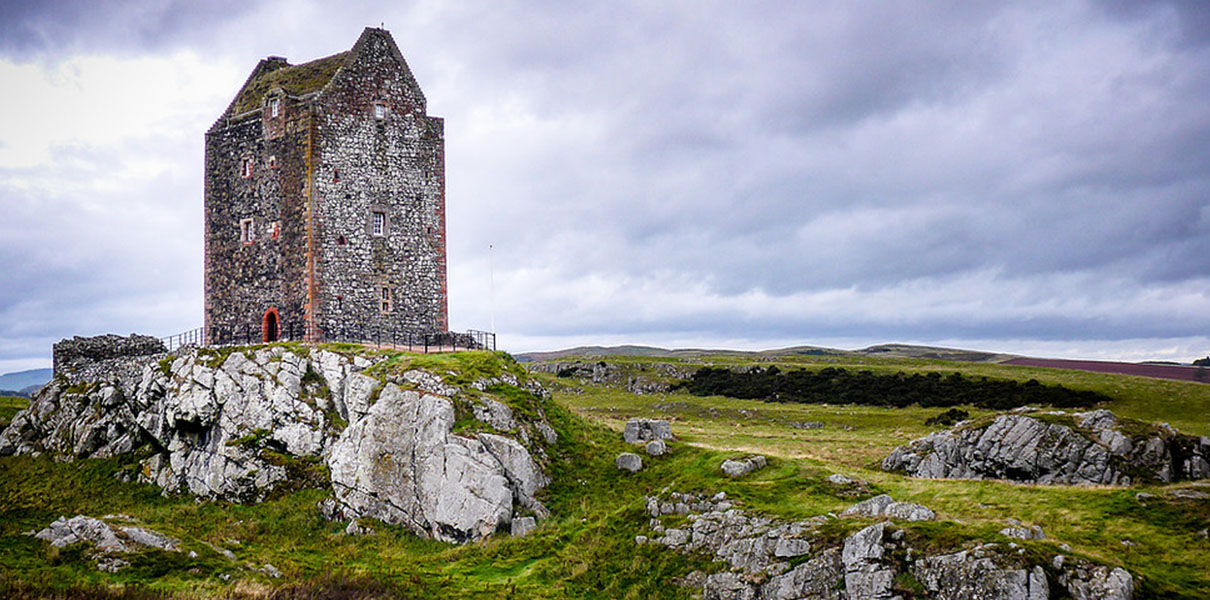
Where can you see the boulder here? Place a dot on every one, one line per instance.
(740, 467)
(656, 448)
(629, 461)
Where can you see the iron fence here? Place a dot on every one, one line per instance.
(378, 337)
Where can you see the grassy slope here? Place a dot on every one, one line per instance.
(587, 548)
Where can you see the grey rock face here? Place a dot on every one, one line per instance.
(639, 431)
(865, 575)
(1023, 448)
(974, 574)
(216, 423)
(1088, 582)
(741, 467)
(629, 461)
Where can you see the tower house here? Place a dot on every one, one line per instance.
(325, 201)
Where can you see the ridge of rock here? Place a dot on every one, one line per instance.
(1085, 448)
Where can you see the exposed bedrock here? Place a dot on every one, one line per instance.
(769, 559)
(239, 424)
(1083, 448)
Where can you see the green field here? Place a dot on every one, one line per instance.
(586, 550)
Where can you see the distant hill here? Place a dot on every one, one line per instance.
(887, 350)
(24, 383)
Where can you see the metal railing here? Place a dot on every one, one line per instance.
(378, 337)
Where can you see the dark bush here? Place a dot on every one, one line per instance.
(948, 417)
(838, 386)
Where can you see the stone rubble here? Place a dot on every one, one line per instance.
(1023, 448)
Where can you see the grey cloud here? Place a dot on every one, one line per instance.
(58, 26)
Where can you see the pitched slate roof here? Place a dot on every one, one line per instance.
(295, 79)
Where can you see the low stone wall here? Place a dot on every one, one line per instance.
(104, 357)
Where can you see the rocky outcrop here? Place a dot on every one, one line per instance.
(400, 463)
(771, 560)
(108, 541)
(1084, 448)
(236, 425)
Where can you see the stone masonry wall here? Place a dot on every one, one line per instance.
(393, 165)
(330, 153)
(246, 278)
(103, 357)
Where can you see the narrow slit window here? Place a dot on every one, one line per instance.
(272, 162)
(386, 299)
(247, 167)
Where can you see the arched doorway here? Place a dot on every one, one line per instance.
(271, 327)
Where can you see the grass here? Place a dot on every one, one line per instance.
(586, 549)
(9, 407)
(1158, 539)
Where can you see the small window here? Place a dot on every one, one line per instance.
(247, 167)
(276, 229)
(247, 233)
(340, 240)
(274, 107)
(379, 226)
(380, 111)
(335, 174)
(272, 162)
(386, 299)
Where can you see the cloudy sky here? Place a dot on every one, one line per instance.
(1029, 177)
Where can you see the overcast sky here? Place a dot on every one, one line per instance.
(1029, 177)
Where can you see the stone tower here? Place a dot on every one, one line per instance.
(325, 201)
